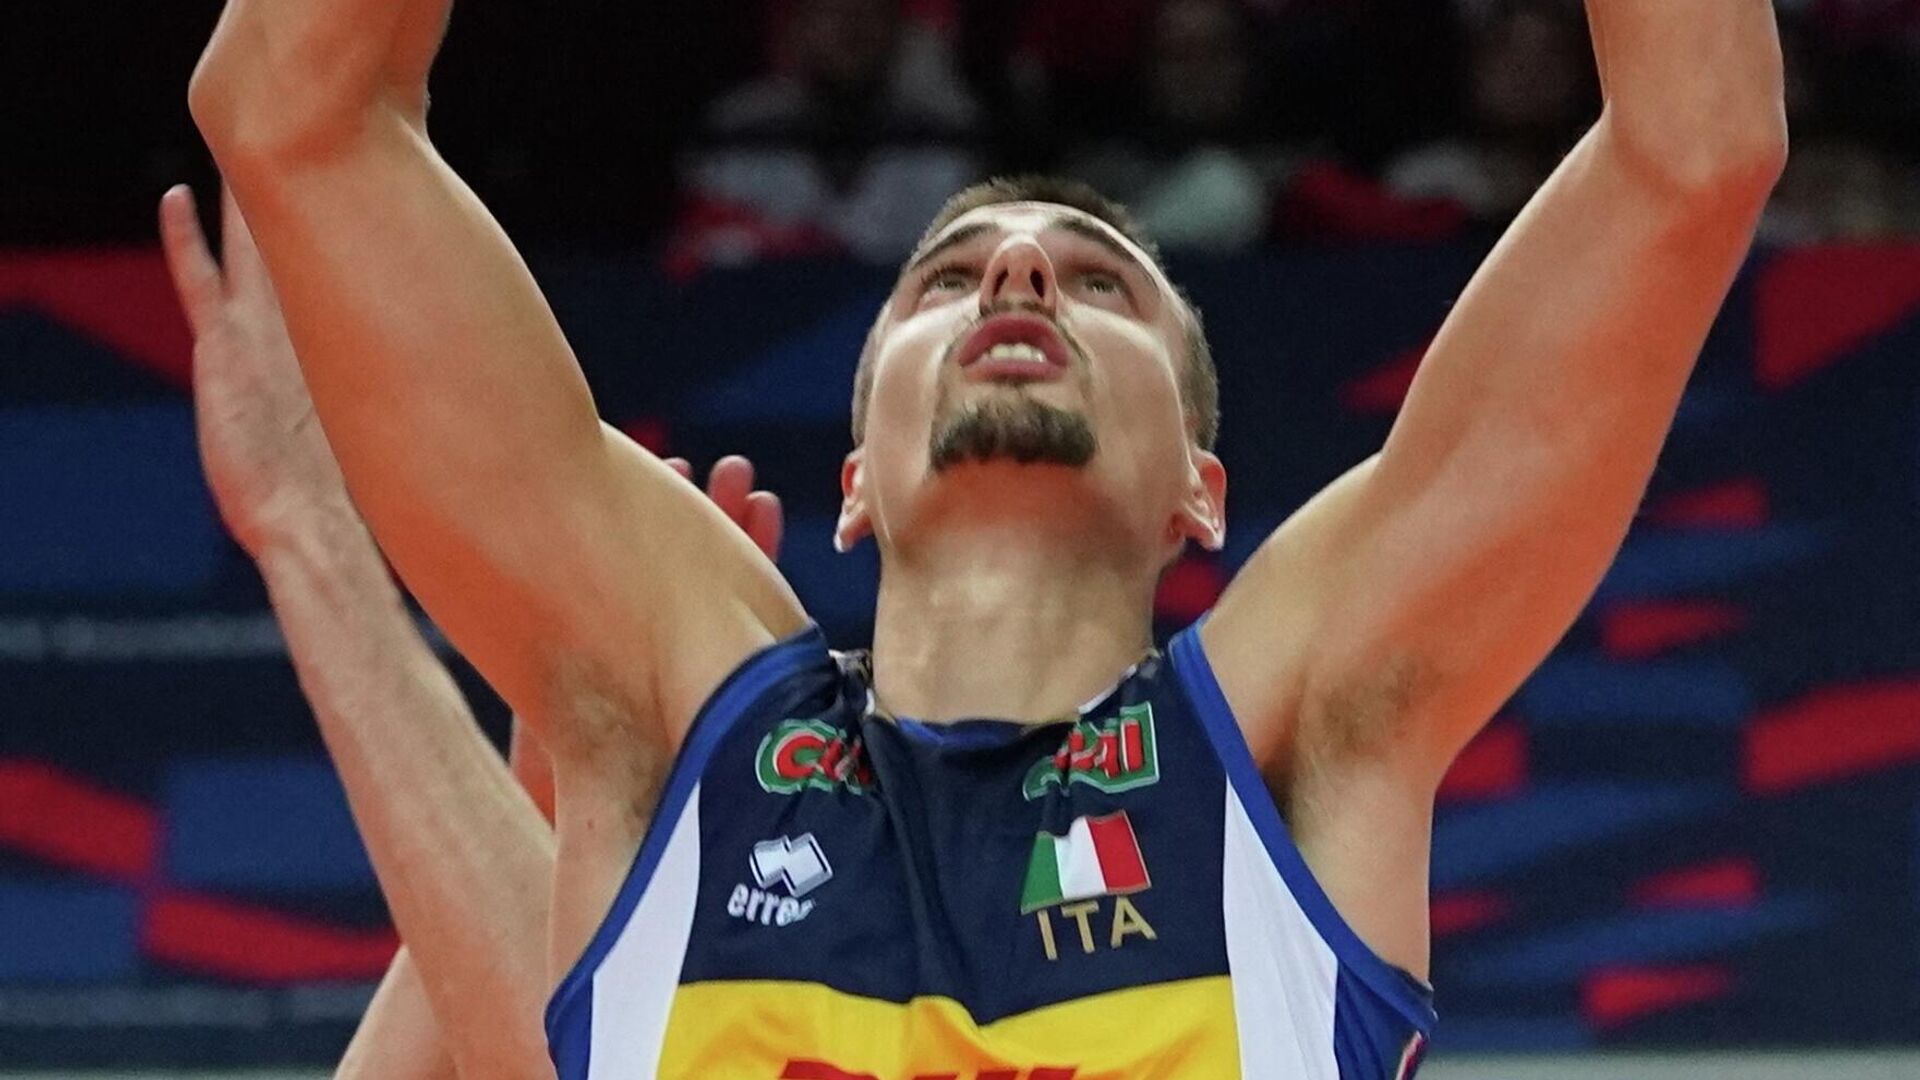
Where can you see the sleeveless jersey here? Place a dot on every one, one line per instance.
(827, 893)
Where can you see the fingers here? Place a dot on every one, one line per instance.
(765, 522)
(681, 466)
(729, 484)
(196, 277)
(757, 513)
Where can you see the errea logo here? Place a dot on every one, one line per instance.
(800, 865)
(796, 866)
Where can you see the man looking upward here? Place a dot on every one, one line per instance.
(1014, 837)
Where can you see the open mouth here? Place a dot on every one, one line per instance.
(1013, 348)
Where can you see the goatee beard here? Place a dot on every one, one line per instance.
(1021, 430)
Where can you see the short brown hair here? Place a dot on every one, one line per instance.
(1199, 383)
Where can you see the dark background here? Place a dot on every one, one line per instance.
(1697, 827)
(568, 118)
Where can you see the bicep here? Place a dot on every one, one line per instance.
(1527, 439)
(666, 597)
(1398, 610)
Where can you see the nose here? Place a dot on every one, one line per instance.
(1019, 276)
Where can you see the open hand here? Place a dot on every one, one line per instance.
(265, 457)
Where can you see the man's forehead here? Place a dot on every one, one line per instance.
(1032, 217)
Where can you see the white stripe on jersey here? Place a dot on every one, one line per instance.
(634, 986)
(1284, 974)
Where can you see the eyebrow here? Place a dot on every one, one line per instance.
(948, 242)
(1088, 230)
(1080, 227)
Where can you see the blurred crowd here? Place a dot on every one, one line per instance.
(1228, 124)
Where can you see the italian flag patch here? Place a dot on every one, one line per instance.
(1099, 856)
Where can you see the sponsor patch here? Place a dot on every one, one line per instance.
(801, 754)
(1112, 755)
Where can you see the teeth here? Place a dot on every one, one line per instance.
(1016, 352)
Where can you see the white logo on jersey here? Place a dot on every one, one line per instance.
(797, 865)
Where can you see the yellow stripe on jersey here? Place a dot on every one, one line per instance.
(768, 1030)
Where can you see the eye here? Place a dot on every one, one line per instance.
(946, 278)
(1103, 283)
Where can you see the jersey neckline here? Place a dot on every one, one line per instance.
(984, 732)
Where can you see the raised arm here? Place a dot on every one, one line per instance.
(565, 561)
(1381, 626)
(464, 858)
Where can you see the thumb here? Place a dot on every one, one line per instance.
(196, 277)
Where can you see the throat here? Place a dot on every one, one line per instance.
(1007, 636)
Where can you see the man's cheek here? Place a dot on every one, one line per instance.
(902, 417)
(897, 395)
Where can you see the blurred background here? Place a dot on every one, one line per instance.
(1695, 832)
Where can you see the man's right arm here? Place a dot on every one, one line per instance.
(398, 1037)
(463, 857)
(561, 558)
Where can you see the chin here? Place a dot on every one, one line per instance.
(1017, 431)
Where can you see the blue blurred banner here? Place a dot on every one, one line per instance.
(1698, 825)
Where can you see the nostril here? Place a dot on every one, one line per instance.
(1039, 283)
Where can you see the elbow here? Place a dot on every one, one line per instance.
(1745, 160)
(258, 113)
(1730, 158)
(214, 94)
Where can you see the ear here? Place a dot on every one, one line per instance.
(854, 524)
(1202, 516)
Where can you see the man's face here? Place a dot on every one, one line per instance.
(1032, 334)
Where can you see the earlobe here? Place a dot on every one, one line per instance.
(853, 524)
(1205, 507)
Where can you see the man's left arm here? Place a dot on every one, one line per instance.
(1385, 622)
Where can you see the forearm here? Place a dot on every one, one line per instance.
(463, 857)
(398, 1038)
(416, 323)
(1584, 322)
(1693, 87)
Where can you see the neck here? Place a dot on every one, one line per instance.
(1013, 617)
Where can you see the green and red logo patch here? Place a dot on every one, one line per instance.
(1112, 755)
(801, 754)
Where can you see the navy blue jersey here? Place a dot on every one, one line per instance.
(829, 893)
